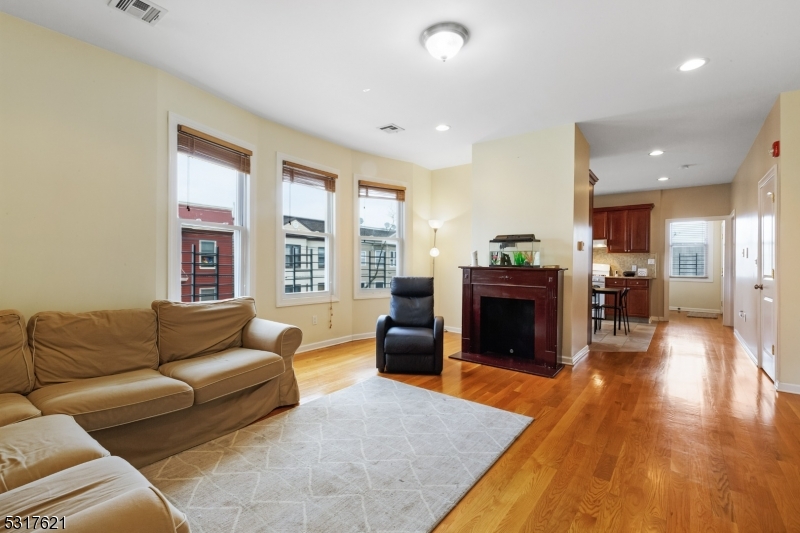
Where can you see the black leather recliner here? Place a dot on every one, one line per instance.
(410, 339)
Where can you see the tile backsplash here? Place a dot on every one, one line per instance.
(622, 262)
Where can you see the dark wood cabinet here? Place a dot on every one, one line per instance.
(638, 295)
(627, 228)
(599, 225)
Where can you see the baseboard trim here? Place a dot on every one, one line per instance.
(333, 342)
(658, 319)
(791, 388)
(577, 358)
(743, 344)
(452, 329)
(695, 310)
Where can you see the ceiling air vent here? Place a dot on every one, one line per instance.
(391, 128)
(145, 11)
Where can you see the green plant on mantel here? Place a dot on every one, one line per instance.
(519, 259)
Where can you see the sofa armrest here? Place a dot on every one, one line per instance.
(384, 323)
(141, 510)
(282, 339)
(438, 343)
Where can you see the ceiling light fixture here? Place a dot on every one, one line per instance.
(663, 178)
(444, 40)
(693, 64)
(657, 152)
(442, 127)
(366, 90)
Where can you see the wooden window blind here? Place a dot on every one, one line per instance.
(303, 175)
(198, 144)
(369, 189)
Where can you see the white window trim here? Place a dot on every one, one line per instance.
(331, 258)
(403, 264)
(247, 234)
(709, 277)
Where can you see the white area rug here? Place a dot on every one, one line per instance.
(380, 456)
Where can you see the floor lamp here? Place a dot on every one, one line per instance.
(435, 225)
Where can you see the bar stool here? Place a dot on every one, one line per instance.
(620, 311)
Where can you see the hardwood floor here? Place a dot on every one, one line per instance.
(688, 436)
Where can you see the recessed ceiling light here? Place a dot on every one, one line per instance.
(663, 178)
(367, 90)
(693, 64)
(444, 40)
(657, 152)
(442, 127)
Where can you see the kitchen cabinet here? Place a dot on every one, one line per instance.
(599, 225)
(638, 295)
(627, 228)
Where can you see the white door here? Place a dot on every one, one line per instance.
(767, 307)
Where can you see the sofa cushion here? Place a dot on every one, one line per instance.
(16, 408)
(80, 488)
(72, 346)
(108, 401)
(188, 330)
(15, 358)
(42, 446)
(216, 375)
(401, 340)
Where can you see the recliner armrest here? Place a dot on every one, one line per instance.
(384, 323)
(438, 343)
(275, 337)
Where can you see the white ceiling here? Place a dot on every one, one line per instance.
(530, 64)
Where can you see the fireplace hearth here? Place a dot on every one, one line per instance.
(511, 318)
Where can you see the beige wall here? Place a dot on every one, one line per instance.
(527, 184)
(685, 202)
(84, 184)
(789, 243)
(745, 202)
(702, 295)
(452, 203)
(582, 231)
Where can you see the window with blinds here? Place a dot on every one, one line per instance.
(380, 234)
(688, 244)
(307, 225)
(212, 220)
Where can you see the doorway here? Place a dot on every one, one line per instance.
(698, 266)
(766, 279)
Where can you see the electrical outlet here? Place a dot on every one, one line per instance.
(313, 320)
(651, 261)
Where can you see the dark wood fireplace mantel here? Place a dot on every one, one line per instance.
(533, 328)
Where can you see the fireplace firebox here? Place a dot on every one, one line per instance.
(511, 318)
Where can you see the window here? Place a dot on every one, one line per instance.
(306, 232)
(689, 249)
(208, 254)
(210, 218)
(380, 235)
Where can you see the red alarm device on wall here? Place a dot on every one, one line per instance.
(776, 149)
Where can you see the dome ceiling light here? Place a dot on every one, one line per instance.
(693, 64)
(444, 40)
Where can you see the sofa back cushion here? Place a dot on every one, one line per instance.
(72, 346)
(187, 330)
(15, 357)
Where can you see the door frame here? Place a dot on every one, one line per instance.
(728, 264)
(772, 173)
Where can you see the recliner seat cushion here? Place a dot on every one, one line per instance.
(195, 329)
(15, 357)
(216, 375)
(402, 340)
(73, 346)
(42, 446)
(16, 408)
(80, 488)
(108, 401)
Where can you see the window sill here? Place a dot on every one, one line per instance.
(305, 300)
(690, 280)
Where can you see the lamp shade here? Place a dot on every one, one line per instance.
(435, 224)
(434, 252)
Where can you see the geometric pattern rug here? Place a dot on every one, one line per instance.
(379, 456)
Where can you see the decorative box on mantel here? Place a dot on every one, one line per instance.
(511, 318)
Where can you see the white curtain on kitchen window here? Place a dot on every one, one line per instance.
(689, 249)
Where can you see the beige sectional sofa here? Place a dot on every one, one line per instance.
(140, 384)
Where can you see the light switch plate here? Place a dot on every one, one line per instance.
(651, 261)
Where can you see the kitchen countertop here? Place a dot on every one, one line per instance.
(631, 277)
